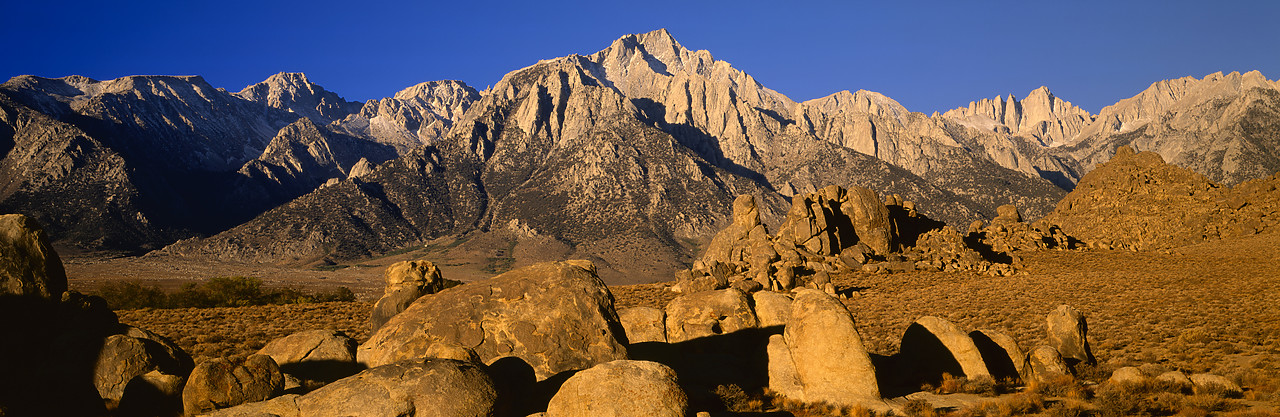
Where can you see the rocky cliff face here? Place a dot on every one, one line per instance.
(1222, 126)
(293, 92)
(1049, 120)
(415, 116)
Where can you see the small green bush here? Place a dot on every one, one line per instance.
(128, 295)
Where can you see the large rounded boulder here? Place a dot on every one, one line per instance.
(555, 316)
(621, 388)
(830, 362)
(222, 383)
(314, 355)
(422, 388)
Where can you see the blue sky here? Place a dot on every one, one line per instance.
(927, 55)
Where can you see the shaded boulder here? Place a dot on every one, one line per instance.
(870, 219)
(126, 357)
(643, 324)
(772, 308)
(831, 363)
(153, 394)
(1007, 213)
(556, 316)
(1067, 332)
(708, 313)
(782, 369)
(423, 388)
(406, 282)
(121, 359)
(29, 266)
(221, 383)
(1001, 353)
(621, 388)
(933, 346)
(1045, 362)
(314, 355)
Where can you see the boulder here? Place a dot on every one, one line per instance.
(830, 360)
(772, 308)
(406, 282)
(29, 266)
(314, 355)
(422, 387)
(1215, 384)
(621, 388)
(735, 244)
(1127, 375)
(282, 406)
(153, 394)
(1001, 353)
(221, 383)
(121, 359)
(1067, 332)
(1007, 213)
(1045, 362)
(782, 369)
(1176, 378)
(125, 357)
(933, 346)
(708, 313)
(870, 219)
(643, 324)
(556, 316)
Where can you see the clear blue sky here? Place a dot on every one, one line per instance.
(927, 55)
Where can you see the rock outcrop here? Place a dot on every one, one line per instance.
(1136, 201)
(933, 346)
(621, 388)
(556, 316)
(314, 355)
(28, 264)
(827, 353)
(222, 383)
(708, 313)
(1068, 333)
(643, 324)
(406, 282)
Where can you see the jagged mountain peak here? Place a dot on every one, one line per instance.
(293, 92)
(861, 101)
(433, 89)
(1040, 115)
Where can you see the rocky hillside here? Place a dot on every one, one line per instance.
(1136, 201)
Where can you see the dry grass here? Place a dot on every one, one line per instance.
(208, 333)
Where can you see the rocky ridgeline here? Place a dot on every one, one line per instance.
(1136, 201)
(541, 340)
(836, 230)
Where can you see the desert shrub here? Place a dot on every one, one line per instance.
(1062, 386)
(128, 295)
(737, 400)
(216, 292)
(1013, 405)
(1204, 404)
(234, 291)
(1155, 398)
(1064, 409)
(984, 386)
(917, 407)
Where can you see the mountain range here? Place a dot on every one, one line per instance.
(630, 156)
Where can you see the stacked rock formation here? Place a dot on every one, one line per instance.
(836, 230)
(406, 282)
